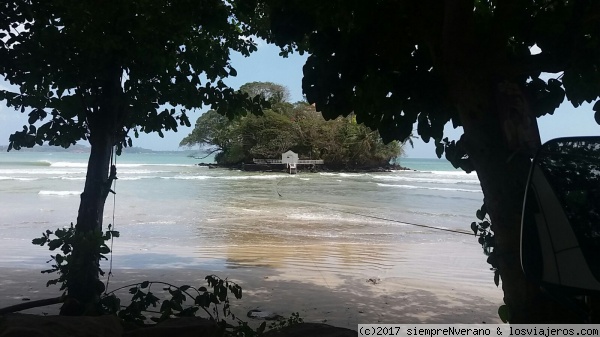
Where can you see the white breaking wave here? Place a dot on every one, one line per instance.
(70, 178)
(17, 178)
(128, 171)
(342, 174)
(351, 174)
(332, 217)
(61, 193)
(44, 171)
(84, 165)
(254, 210)
(454, 173)
(267, 176)
(187, 177)
(430, 188)
(137, 178)
(427, 180)
(141, 165)
(67, 164)
(257, 177)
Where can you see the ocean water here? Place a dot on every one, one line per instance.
(174, 214)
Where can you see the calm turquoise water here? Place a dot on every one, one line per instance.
(172, 213)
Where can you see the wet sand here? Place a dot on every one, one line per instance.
(441, 282)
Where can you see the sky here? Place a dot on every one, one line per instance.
(266, 65)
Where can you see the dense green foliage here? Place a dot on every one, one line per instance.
(66, 56)
(341, 143)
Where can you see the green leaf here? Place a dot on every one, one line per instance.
(474, 227)
(439, 150)
(504, 313)
(202, 300)
(53, 244)
(176, 305)
(39, 241)
(184, 287)
(144, 284)
(485, 224)
(165, 306)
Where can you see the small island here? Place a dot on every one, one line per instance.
(251, 141)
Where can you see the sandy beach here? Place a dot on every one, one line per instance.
(438, 292)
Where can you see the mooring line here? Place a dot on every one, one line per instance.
(381, 218)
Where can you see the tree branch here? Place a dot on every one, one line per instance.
(209, 153)
(31, 304)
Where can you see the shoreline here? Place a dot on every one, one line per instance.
(438, 284)
(312, 169)
(392, 301)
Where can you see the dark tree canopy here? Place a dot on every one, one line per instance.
(62, 55)
(401, 64)
(392, 62)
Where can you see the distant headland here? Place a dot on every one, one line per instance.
(78, 148)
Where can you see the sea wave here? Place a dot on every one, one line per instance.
(128, 165)
(430, 188)
(39, 172)
(260, 177)
(59, 193)
(138, 178)
(129, 171)
(17, 178)
(454, 173)
(203, 177)
(357, 218)
(40, 163)
(343, 174)
(67, 164)
(187, 177)
(26, 163)
(427, 180)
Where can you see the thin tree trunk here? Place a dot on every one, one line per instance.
(83, 284)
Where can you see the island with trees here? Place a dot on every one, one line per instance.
(342, 143)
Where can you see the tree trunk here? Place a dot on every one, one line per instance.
(470, 69)
(83, 284)
(503, 174)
